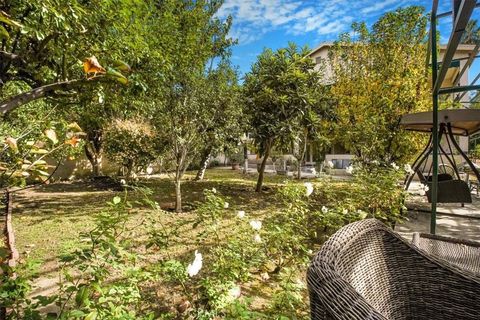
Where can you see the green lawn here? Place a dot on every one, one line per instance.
(48, 221)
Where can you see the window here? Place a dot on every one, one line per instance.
(318, 60)
(341, 163)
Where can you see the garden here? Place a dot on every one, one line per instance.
(116, 120)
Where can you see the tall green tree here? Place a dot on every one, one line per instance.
(280, 90)
(223, 126)
(379, 75)
(190, 38)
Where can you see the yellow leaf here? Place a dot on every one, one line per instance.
(91, 65)
(12, 143)
(50, 134)
(74, 127)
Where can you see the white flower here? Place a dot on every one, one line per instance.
(344, 211)
(149, 170)
(330, 164)
(395, 166)
(362, 214)
(324, 209)
(123, 182)
(226, 205)
(214, 190)
(349, 169)
(257, 238)
(421, 192)
(240, 214)
(235, 292)
(309, 187)
(376, 162)
(256, 224)
(196, 265)
(264, 276)
(426, 188)
(408, 168)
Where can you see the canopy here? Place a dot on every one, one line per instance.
(464, 122)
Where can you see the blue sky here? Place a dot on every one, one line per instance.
(273, 23)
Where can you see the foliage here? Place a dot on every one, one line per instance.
(380, 75)
(280, 90)
(193, 38)
(375, 192)
(47, 41)
(471, 35)
(24, 152)
(131, 143)
(222, 124)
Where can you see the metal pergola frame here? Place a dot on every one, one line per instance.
(461, 13)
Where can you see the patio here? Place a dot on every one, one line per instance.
(452, 219)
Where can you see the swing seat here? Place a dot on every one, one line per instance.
(441, 177)
(451, 191)
(428, 179)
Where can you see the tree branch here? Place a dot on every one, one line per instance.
(9, 56)
(23, 98)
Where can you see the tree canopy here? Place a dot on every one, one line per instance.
(379, 75)
(280, 91)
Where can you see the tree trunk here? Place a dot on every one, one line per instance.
(95, 159)
(245, 159)
(262, 167)
(302, 157)
(203, 164)
(178, 195)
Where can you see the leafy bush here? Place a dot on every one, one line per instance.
(132, 144)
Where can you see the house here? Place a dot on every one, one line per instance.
(340, 156)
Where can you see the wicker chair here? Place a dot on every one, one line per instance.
(464, 254)
(367, 271)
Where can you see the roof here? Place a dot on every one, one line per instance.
(464, 122)
(461, 47)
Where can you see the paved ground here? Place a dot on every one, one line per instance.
(452, 219)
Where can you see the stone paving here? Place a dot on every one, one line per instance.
(452, 219)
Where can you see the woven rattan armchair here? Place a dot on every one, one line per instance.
(367, 271)
(464, 254)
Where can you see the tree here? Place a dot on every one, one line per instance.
(279, 91)
(379, 76)
(190, 38)
(224, 126)
(471, 35)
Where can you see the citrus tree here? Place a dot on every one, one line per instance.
(281, 90)
(380, 75)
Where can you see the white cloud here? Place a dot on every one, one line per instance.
(379, 6)
(252, 19)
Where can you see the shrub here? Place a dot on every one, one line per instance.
(132, 144)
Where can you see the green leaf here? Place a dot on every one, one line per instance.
(5, 19)
(4, 35)
(122, 66)
(114, 74)
(91, 316)
(117, 200)
(82, 296)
